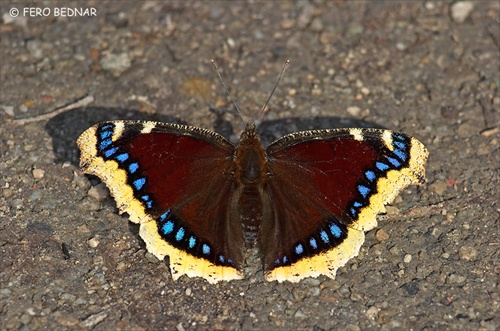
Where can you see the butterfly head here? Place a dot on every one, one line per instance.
(250, 134)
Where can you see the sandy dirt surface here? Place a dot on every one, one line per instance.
(427, 68)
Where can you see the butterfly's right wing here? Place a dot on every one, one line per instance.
(326, 188)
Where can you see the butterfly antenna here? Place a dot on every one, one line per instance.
(229, 94)
(287, 62)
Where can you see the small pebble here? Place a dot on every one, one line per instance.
(381, 235)
(93, 242)
(439, 187)
(354, 111)
(116, 63)
(38, 173)
(468, 253)
(23, 108)
(98, 192)
(407, 258)
(121, 265)
(9, 110)
(460, 10)
(95, 319)
(371, 312)
(188, 291)
(5, 292)
(456, 279)
(299, 314)
(151, 258)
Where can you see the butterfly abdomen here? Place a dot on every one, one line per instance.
(250, 175)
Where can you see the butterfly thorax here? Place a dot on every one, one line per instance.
(251, 165)
(250, 159)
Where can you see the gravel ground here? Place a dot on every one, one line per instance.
(427, 68)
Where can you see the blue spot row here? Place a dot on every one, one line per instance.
(326, 238)
(109, 150)
(395, 160)
(180, 237)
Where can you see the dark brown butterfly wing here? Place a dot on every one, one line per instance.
(326, 189)
(176, 181)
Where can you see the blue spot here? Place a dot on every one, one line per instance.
(363, 190)
(167, 228)
(133, 167)
(221, 258)
(191, 242)
(106, 126)
(285, 259)
(205, 249)
(145, 197)
(139, 183)
(313, 243)
(180, 234)
(335, 230)
(277, 262)
(105, 143)
(122, 157)
(229, 261)
(370, 175)
(299, 249)
(381, 166)
(354, 208)
(164, 215)
(393, 161)
(399, 144)
(149, 204)
(324, 236)
(400, 154)
(110, 152)
(398, 137)
(106, 134)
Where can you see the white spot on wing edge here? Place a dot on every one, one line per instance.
(148, 127)
(387, 139)
(118, 130)
(357, 134)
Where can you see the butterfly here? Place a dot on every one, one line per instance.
(305, 201)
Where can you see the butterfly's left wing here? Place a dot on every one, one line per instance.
(176, 182)
(327, 188)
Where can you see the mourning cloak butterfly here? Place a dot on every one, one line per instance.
(306, 200)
